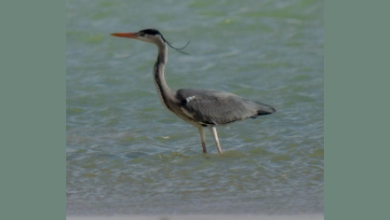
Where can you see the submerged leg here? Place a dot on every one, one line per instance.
(202, 137)
(213, 131)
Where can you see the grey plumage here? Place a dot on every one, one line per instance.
(212, 107)
(199, 107)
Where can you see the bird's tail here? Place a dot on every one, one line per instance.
(264, 109)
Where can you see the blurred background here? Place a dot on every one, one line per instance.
(127, 154)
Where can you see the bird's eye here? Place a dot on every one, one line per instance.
(142, 34)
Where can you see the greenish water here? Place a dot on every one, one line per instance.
(127, 154)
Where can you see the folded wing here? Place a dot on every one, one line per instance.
(212, 107)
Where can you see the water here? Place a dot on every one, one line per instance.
(126, 154)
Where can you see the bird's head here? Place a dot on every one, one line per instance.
(148, 35)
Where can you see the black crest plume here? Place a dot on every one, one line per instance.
(155, 32)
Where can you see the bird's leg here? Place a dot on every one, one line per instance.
(202, 137)
(213, 131)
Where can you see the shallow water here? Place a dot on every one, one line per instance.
(127, 154)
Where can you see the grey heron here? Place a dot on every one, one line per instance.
(199, 107)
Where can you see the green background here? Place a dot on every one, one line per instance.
(32, 123)
(32, 157)
(356, 109)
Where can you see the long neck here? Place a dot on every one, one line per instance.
(165, 93)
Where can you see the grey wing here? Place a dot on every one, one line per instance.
(212, 107)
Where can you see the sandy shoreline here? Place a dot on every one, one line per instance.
(200, 217)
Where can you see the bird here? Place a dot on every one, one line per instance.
(202, 108)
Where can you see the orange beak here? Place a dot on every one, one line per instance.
(128, 35)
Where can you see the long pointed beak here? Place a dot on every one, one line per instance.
(127, 35)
